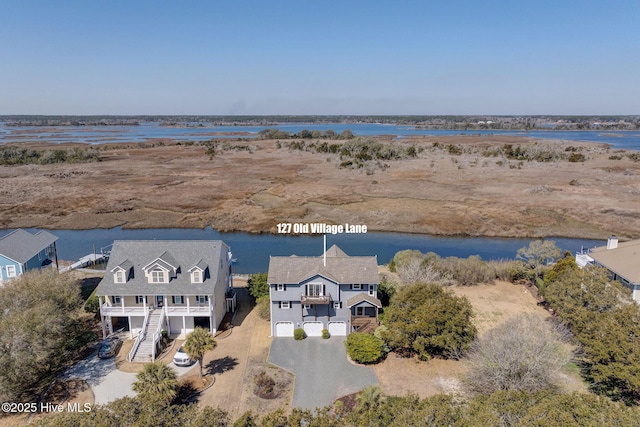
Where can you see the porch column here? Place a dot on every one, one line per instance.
(188, 310)
(130, 328)
(122, 304)
(146, 304)
(104, 329)
(184, 327)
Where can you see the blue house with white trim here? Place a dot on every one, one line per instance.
(22, 251)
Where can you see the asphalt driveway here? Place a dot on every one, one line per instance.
(322, 370)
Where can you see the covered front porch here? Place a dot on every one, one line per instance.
(364, 312)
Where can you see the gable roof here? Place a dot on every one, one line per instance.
(623, 260)
(142, 253)
(340, 268)
(21, 246)
(362, 297)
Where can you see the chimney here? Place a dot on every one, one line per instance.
(612, 242)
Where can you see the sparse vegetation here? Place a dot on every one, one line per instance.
(24, 156)
(524, 353)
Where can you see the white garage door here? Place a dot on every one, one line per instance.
(284, 329)
(313, 329)
(338, 328)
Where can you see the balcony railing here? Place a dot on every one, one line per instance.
(315, 299)
(139, 310)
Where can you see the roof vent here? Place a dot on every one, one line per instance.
(612, 242)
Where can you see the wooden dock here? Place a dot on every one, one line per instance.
(86, 260)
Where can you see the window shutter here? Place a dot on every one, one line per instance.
(324, 290)
(285, 287)
(351, 286)
(279, 304)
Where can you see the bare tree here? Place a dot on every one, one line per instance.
(524, 353)
(415, 270)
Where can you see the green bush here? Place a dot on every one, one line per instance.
(92, 305)
(258, 286)
(299, 334)
(364, 348)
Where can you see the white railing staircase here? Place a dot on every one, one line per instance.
(146, 347)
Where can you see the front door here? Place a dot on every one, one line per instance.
(159, 301)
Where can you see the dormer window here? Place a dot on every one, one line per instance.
(158, 276)
(196, 276)
(118, 277)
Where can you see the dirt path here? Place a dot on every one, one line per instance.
(237, 359)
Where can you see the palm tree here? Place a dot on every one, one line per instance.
(198, 343)
(156, 381)
(369, 398)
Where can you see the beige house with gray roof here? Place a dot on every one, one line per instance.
(333, 291)
(622, 259)
(172, 285)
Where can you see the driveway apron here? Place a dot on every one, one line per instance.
(322, 370)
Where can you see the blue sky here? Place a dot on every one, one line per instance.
(311, 57)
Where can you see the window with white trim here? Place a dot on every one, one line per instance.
(356, 287)
(116, 299)
(281, 287)
(196, 276)
(315, 289)
(11, 271)
(359, 311)
(337, 304)
(202, 299)
(118, 276)
(139, 299)
(158, 276)
(285, 304)
(177, 299)
(372, 290)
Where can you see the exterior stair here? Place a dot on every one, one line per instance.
(143, 354)
(365, 324)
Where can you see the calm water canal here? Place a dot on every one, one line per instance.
(252, 251)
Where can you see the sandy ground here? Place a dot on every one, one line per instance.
(238, 359)
(492, 304)
(253, 190)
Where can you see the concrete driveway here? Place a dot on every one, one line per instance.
(107, 382)
(322, 370)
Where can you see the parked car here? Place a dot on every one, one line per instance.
(109, 347)
(182, 358)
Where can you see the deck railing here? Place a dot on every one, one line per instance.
(140, 336)
(158, 333)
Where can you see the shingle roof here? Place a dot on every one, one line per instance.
(21, 246)
(340, 268)
(183, 252)
(355, 300)
(623, 260)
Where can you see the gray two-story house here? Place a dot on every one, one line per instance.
(333, 291)
(172, 285)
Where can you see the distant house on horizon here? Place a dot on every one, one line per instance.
(333, 291)
(21, 251)
(621, 259)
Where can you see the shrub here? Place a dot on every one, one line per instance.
(258, 286)
(92, 304)
(524, 353)
(299, 334)
(325, 334)
(265, 386)
(364, 348)
(427, 320)
(576, 157)
(264, 307)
